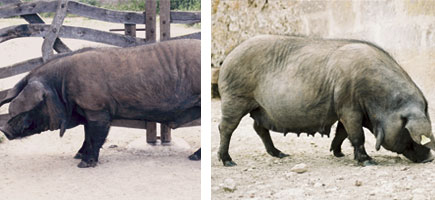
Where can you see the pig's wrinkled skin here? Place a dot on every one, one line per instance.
(160, 82)
(296, 84)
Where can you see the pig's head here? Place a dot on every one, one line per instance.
(33, 108)
(407, 132)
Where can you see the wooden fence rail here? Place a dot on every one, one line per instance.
(52, 34)
(123, 17)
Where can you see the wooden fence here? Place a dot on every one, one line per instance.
(54, 31)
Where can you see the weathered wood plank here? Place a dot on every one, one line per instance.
(165, 24)
(196, 36)
(182, 17)
(52, 34)
(151, 132)
(17, 8)
(74, 7)
(150, 14)
(9, 1)
(130, 29)
(120, 123)
(143, 124)
(59, 46)
(129, 123)
(150, 36)
(107, 15)
(39, 30)
(165, 34)
(21, 67)
(3, 93)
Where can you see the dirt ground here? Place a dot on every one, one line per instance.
(260, 176)
(42, 166)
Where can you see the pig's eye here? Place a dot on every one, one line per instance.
(26, 122)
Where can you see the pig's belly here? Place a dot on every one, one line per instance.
(289, 109)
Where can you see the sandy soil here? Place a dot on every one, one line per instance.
(42, 167)
(260, 176)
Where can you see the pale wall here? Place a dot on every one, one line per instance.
(393, 25)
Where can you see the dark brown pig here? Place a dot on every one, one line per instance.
(296, 84)
(160, 82)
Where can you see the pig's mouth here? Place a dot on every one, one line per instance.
(6, 133)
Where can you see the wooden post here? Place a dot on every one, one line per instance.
(165, 34)
(165, 20)
(130, 29)
(150, 36)
(151, 132)
(165, 134)
(50, 38)
(150, 22)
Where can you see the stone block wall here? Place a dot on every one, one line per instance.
(395, 25)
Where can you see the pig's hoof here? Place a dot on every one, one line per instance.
(84, 164)
(78, 156)
(282, 155)
(229, 163)
(368, 163)
(338, 154)
(277, 153)
(194, 157)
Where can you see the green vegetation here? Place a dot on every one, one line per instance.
(91, 2)
(139, 5)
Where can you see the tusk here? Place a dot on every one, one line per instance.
(424, 140)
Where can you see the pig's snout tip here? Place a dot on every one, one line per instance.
(429, 159)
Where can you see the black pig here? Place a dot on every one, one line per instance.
(159, 82)
(296, 84)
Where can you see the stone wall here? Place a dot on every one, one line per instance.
(395, 25)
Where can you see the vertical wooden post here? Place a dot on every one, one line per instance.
(150, 22)
(150, 36)
(165, 134)
(151, 132)
(165, 34)
(130, 29)
(165, 19)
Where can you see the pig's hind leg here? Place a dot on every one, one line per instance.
(340, 136)
(233, 109)
(267, 141)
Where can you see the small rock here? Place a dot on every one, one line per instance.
(358, 183)
(319, 185)
(113, 146)
(299, 168)
(229, 185)
(404, 168)
(251, 193)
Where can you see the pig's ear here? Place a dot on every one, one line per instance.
(419, 129)
(56, 111)
(27, 99)
(13, 92)
(379, 132)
